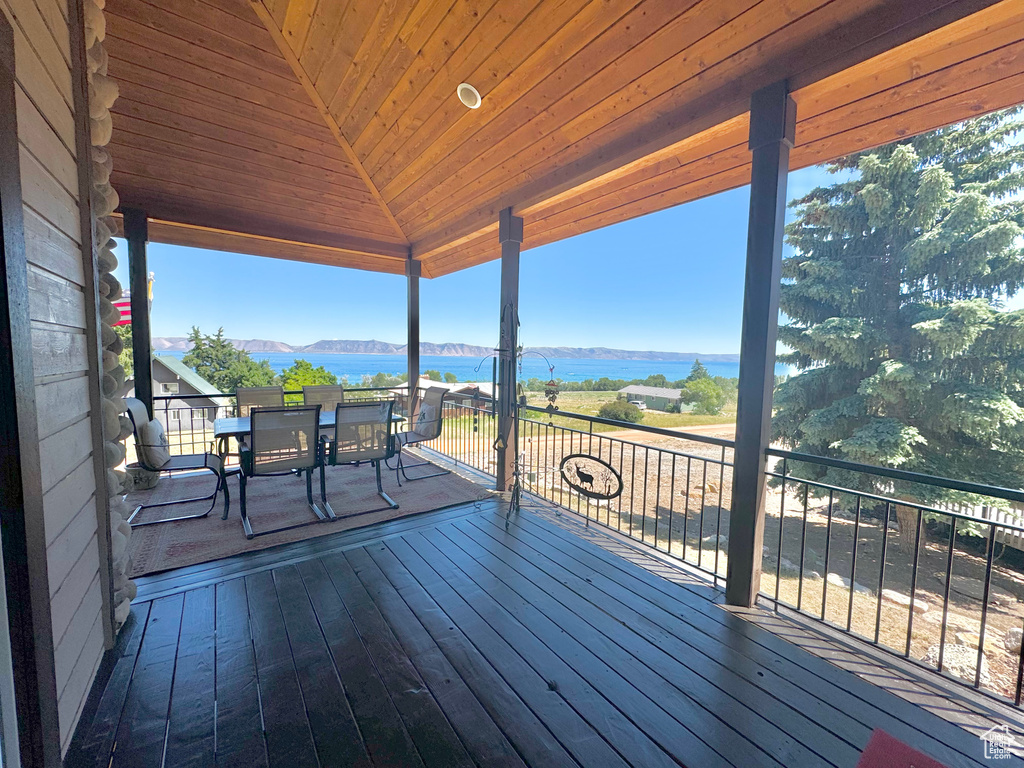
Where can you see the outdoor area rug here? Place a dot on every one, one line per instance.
(273, 502)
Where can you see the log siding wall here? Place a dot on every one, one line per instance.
(58, 307)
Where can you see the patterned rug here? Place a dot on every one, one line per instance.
(274, 502)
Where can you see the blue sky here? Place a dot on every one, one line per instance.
(669, 281)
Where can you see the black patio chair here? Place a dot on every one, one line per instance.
(281, 441)
(325, 395)
(362, 432)
(425, 424)
(139, 415)
(248, 398)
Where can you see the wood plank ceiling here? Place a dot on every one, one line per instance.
(329, 130)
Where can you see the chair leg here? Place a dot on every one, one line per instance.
(323, 495)
(309, 495)
(241, 505)
(402, 466)
(249, 533)
(211, 498)
(227, 496)
(380, 488)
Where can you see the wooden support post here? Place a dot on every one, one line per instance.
(136, 232)
(772, 129)
(412, 273)
(510, 235)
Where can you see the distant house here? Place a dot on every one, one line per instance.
(475, 394)
(655, 398)
(175, 401)
(471, 393)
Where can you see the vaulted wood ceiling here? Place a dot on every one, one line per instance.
(329, 130)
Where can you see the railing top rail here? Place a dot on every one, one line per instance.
(719, 441)
(287, 392)
(1017, 528)
(980, 489)
(661, 451)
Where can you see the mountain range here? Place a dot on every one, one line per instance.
(448, 349)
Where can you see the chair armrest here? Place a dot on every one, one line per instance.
(245, 458)
(214, 462)
(325, 441)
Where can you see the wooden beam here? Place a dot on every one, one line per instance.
(232, 241)
(275, 32)
(772, 131)
(137, 235)
(510, 236)
(26, 598)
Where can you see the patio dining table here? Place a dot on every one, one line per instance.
(239, 426)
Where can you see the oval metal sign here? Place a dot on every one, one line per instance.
(590, 477)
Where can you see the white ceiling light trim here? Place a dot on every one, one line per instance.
(469, 95)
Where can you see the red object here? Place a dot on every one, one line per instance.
(125, 305)
(883, 751)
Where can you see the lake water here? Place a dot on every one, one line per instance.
(354, 367)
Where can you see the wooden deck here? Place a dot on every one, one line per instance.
(442, 640)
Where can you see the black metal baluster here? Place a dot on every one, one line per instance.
(828, 547)
(703, 502)
(672, 503)
(853, 565)
(611, 458)
(803, 548)
(579, 497)
(557, 451)
(881, 571)
(686, 507)
(657, 501)
(782, 518)
(984, 604)
(632, 488)
(718, 522)
(593, 505)
(945, 593)
(618, 515)
(643, 503)
(556, 482)
(1020, 671)
(913, 578)
(549, 442)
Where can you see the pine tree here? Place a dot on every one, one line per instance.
(216, 360)
(697, 372)
(893, 296)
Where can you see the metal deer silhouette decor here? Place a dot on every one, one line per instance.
(590, 476)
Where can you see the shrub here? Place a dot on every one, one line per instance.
(706, 395)
(620, 410)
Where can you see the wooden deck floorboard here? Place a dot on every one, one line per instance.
(445, 640)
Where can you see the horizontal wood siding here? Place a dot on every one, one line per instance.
(58, 309)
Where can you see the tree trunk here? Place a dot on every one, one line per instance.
(907, 517)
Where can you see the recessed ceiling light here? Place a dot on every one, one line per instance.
(469, 95)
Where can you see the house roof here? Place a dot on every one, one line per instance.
(640, 389)
(485, 387)
(186, 374)
(330, 132)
